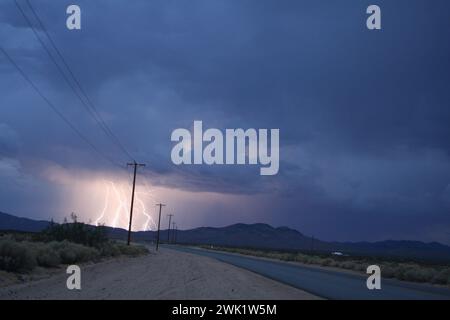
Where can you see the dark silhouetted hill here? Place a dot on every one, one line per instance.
(13, 223)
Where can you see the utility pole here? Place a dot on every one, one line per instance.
(312, 244)
(159, 224)
(135, 165)
(168, 229)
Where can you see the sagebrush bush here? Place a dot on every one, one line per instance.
(442, 277)
(110, 249)
(76, 232)
(284, 257)
(387, 271)
(360, 267)
(48, 258)
(350, 265)
(417, 273)
(301, 258)
(23, 256)
(132, 250)
(73, 252)
(327, 262)
(16, 256)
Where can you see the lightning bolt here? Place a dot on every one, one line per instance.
(121, 207)
(105, 207)
(120, 210)
(148, 193)
(146, 225)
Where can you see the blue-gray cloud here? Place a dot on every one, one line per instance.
(363, 115)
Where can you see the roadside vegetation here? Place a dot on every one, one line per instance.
(60, 244)
(402, 270)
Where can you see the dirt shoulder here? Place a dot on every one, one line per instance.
(166, 274)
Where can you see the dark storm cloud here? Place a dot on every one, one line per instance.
(9, 140)
(363, 115)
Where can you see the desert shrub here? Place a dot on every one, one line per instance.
(23, 256)
(360, 266)
(308, 260)
(133, 250)
(417, 273)
(400, 272)
(272, 255)
(442, 277)
(257, 253)
(327, 262)
(301, 258)
(46, 257)
(387, 271)
(287, 257)
(72, 252)
(110, 249)
(76, 232)
(315, 260)
(16, 256)
(18, 236)
(350, 265)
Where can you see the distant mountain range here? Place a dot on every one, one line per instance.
(13, 223)
(264, 236)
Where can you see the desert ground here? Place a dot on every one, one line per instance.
(165, 274)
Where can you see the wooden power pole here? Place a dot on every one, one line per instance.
(168, 230)
(135, 165)
(159, 224)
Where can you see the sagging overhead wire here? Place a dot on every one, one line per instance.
(75, 84)
(56, 110)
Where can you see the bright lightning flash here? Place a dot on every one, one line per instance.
(116, 206)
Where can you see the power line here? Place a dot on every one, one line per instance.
(53, 107)
(111, 133)
(90, 108)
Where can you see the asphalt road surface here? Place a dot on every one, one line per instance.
(325, 283)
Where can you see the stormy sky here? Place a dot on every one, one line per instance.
(364, 116)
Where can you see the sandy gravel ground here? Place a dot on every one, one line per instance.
(166, 274)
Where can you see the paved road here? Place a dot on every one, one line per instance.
(325, 283)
